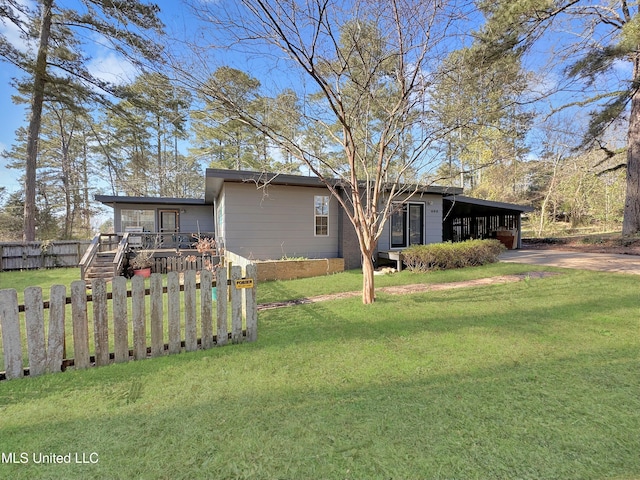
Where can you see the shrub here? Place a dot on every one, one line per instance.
(444, 256)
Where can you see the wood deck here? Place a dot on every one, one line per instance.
(393, 255)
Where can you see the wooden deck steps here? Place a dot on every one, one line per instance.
(101, 267)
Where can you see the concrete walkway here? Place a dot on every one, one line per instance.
(604, 262)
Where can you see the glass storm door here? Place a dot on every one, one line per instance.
(416, 223)
(407, 225)
(169, 221)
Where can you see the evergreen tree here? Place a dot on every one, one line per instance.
(55, 33)
(478, 104)
(590, 40)
(220, 135)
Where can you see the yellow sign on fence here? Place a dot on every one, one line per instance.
(244, 283)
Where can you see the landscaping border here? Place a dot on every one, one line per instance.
(289, 269)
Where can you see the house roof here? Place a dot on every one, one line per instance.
(113, 199)
(215, 179)
(467, 203)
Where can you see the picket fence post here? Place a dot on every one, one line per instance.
(251, 309)
(56, 338)
(157, 342)
(206, 309)
(11, 338)
(46, 353)
(222, 331)
(173, 291)
(139, 318)
(120, 320)
(34, 322)
(100, 321)
(80, 324)
(236, 305)
(190, 323)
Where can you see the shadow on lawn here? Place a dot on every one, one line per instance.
(568, 417)
(347, 320)
(520, 309)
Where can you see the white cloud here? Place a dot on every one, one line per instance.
(12, 33)
(111, 68)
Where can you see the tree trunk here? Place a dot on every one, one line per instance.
(547, 197)
(161, 191)
(368, 287)
(86, 210)
(67, 182)
(631, 219)
(35, 118)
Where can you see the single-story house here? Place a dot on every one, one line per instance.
(272, 216)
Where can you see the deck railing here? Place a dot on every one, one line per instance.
(89, 255)
(166, 240)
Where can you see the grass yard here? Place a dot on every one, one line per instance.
(45, 278)
(533, 380)
(21, 279)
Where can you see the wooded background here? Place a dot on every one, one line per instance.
(553, 133)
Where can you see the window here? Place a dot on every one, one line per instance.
(169, 221)
(321, 215)
(138, 218)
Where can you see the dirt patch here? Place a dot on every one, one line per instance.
(407, 289)
(587, 244)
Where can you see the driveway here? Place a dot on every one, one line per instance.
(604, 262)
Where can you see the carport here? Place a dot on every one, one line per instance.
(466, 218)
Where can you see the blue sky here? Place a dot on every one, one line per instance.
(177, 19)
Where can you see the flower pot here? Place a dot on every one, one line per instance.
(509, 238)
(143, 272)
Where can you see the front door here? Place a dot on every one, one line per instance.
(169, 221)
(407, 225)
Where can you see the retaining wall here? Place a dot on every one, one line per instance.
(289, 269)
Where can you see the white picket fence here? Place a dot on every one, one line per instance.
(121, 334)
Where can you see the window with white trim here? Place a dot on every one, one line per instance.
(321, 215)
(138, 218)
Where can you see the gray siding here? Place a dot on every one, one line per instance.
(189, 219)
(276, 221)
(432, 223)
(197, 216)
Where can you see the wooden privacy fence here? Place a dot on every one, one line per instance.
(28, 255)
(131, 329)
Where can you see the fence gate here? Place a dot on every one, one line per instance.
(81, 329)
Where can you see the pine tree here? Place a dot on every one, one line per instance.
(590, 41)
(59, 59)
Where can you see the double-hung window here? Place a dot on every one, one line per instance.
(321, 215)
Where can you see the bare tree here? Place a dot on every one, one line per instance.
(366, 67)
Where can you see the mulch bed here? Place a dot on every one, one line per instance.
(407, 289)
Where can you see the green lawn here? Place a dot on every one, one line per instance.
(537, 379)
(21, 279)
